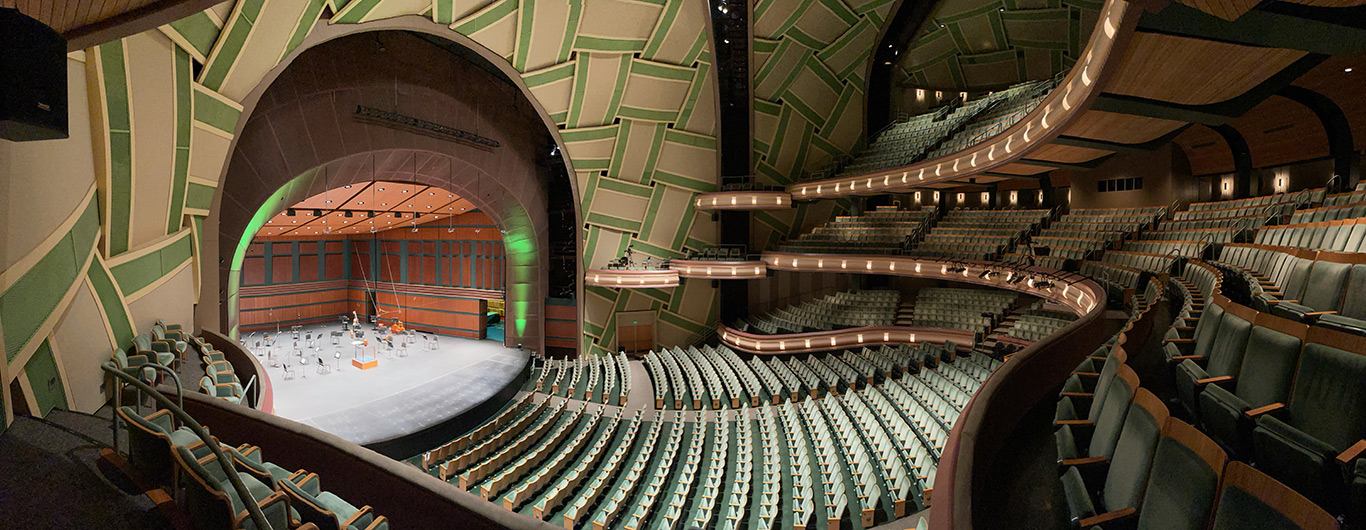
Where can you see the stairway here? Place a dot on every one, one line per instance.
(904, 311)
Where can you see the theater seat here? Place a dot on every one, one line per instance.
(1268, 367)
(1312, 443)
(1322, 292)
(1126, 474)
(134, 365)
(1182, 483)
(231, 392)
(151, 440)
(325, 509)
(1224, 357)
(211, 501)
(1351, 317)
(1251, 499)
(1086, 438)
(1174, 348)
(1084, 392)
(160, 351)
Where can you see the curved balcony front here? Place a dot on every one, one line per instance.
(819, 341)
(631, 279)
(743, 200)
(720, 270)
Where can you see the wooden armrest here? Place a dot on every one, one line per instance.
(356, 516)
(1091, 460)
(1352, 453)
(1180, 358)
(1079, 423)
(1086, 374)
(1178, 341)
(1183, 328)
(1274, 302)
(1107, 517)
(1316, 314)
(1252, 414)
(1086, 395)
(1209, 380)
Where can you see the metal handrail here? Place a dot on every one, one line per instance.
(253, 510)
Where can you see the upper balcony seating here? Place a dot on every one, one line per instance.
(1348, 210)
(907, 142)
(1205, 235)
(974, 310)
(1251, 202)
(1303, 285)
(1347, 235)
(885, 230)
(1038, 324)
(979, 234)
(1339, 199)
(1178, 248)
(836, 311)
(715, 253)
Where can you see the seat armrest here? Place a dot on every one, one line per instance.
(1177, 360)
(1352, 453)
(1107, 517)
(1179, 341)
(1254, 413)
(1074, 423)
(1213, 380)
(1183, 328)
(1314, 315)
(1275, 302)
(379, 522)
(1086, 374)
(1088, 461)
(1076, 395)
(365, 510)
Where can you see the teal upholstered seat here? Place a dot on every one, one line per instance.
(1300, 443)
(1225, 356)
(1322, 292)
(1249, 498)
(1126, 475)
(1084, 394)
(135, 365)
(1269, 363)
(1183, 481)
(157, 350)
(325, 509)
(151, 439)
(1086, 438)
(211, 501)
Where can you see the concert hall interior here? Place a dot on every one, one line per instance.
(683, 264)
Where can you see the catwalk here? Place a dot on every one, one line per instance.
(399, 396)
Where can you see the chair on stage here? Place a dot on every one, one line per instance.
(432, 342)
(323, 367)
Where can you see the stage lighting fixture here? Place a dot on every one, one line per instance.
(984, 274)
(398, 215)
(371, 214)
(347, 213)
(289, 212)
(317, 213)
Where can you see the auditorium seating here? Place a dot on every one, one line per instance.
(1348, 235)
(835, 311)
(595, 379)
(884, 230)
(1036, 325)
(979, 234)
(968, 309)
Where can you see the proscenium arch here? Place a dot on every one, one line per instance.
(214, 313)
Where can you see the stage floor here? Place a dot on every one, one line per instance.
(400, 396)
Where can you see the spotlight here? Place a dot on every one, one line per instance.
(370, 214)
(317, 213)
(348, 213)
(398, 215)
(984, 274)
(289, 212)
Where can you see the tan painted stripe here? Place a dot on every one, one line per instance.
(99, 117)
(61, 371)
(201, 180)
(27, 390)
(16, 271)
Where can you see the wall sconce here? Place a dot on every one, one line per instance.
(986, 197)
(917, 197)
(1014, 197)
(936, 196)
(961, 197)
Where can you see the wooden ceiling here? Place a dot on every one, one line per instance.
(1207, 151)
(85, 23)
(1120, 128)
(1279, 131)
(1332, 79)
(395, 204)
(1067, 154)
(1192, 71)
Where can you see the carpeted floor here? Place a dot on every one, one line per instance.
(49, 477)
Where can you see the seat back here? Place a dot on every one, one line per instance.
(1251, 499)
(1297, 278)
(205, 501)
(1183, 481)
(1110, 421)
(1273, 350)
(1355, 306)
(1208, 325)
(149, 446)
(1225, 355)
(1328, 400)
(1127, 477)
(1327, 280)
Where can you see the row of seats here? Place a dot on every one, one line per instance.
(884, 230)
(172, 457)
(976, 310)
(1034, 327)
(710, 253)
(1010, 106)
(979, 234)
(1348, 210)
(1279, 393)
(1301, 284)
(1311, 196)
(607, 379)
(1348, 235)
(846, 309)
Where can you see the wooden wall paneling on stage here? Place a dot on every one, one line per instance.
(561, 326)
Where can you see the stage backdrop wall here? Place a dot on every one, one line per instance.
(437, 279)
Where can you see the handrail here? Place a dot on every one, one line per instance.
(253, 510)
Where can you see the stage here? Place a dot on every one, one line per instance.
(399, 396)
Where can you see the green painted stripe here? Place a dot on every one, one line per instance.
(526, 20)
(571, 26)
(622, 186)
(184, 118)
(698, 52)
(652, 211)
(684, 182)
(45, 380)
(589, 43)
(487, 17)
(109, 298)
(841, 11)
(676, 320)
(665, 23)
(144, 270)
(804, 39)
(647, 114)
(549, 75)
(684, 225)
(662, 71)
(765, 45)
(692, 139)
(37, 293)
(767, 107)
(612, 222)
(120, 178)
(658, 294)
(215, 113)
(695, 92)
(199, 196)
(619, 149)
(623, 74)
(306, 21)
(199, 31)
(228, 48)
(355, 11)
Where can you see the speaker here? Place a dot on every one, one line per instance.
(33, 102)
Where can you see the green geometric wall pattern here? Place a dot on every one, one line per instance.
(811, 60)
(968, 45)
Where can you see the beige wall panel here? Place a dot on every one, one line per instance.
(263, 48)
(42, 183)
(208, 153)
(82, 340)
(151, 70)
(620, 19)
(173, 301)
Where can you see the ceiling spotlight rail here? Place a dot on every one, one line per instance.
(1068, 101)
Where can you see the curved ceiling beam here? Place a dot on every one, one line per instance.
(1213, 113)
(132, 22)
(1334, 124)
(1062, 106)
(1242, 159)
